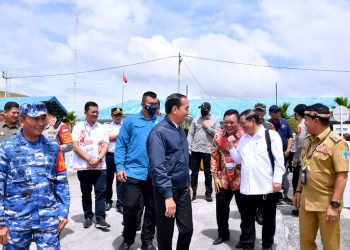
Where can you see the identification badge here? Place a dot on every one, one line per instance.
(92, 151)
(303, 175)
(229, 164)
(89, 142)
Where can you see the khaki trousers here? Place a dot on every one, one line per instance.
(310, 222)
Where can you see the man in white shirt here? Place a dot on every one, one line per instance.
(112, 129)
(261, 177)
(90, 143)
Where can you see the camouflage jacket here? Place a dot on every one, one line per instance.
(33, 193)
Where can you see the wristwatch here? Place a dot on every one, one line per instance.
(335, 204)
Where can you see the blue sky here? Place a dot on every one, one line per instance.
(38, 37)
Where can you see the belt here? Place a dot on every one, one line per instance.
(109, 153)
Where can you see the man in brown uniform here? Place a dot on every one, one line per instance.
(325, 166)
(10, 126)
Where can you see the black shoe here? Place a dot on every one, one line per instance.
(266, 248)
(120, 209)
(87, 223)
(295, 212)
(194, 196)
(239, 245)
(219, 241)
(148, 246)
(208, 198)
(101, 223)
(281, 203)
(287, 199)
(108, 206)
(124, 246)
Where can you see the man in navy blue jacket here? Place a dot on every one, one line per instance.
(167, 150)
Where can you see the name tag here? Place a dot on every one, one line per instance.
(229, 163)
(89, 142)
(92, 151)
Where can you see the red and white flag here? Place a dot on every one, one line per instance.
(125, 80)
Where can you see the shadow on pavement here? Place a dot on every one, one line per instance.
(286, 211)
(234, 214)
(79, 218)
(66, 232)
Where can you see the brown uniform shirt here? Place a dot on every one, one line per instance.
(329, 155)
(6, 131)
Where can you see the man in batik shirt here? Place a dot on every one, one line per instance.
(226, 172)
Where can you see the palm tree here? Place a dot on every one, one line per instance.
(283, 110)
(70, 118)
(341, 101)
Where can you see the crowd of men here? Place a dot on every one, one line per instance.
(157, 165)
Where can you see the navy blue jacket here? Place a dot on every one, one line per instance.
(168, 156)
(284, 130)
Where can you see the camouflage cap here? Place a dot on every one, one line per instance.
(34, 109)
(260, 106)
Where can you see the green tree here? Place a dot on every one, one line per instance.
(341, 101)
(70, 118)
(284, 108)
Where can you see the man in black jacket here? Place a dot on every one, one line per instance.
(167, 149)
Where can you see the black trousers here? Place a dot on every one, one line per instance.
(295, 178)
(267, 206)
(285, 181)
(96, 179)
(111, 169)
(135, 190)
(196, 161)
(183, 216)
(223, 200)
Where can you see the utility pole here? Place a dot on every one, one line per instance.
(178, 73)
(276, 93)
(7, 83)
(75, 64)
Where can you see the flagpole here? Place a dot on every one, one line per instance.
(123, 95)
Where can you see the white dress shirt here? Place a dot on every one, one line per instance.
(112, 128)
(256, 170)
(91, 140)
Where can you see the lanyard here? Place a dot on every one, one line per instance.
(88, 131)
(308, 155)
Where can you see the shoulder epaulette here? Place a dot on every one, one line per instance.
(335, 137)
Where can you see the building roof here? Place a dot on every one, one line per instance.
(219, 106)
(58, 109)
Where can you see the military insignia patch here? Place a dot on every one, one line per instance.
(20, 173)
(345, 154)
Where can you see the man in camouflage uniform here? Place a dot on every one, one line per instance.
(34, 196)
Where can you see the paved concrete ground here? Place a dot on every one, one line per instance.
(205, 230)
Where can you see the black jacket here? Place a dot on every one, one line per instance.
(168, 156)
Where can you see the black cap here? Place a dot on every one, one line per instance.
(205, 105)
(260, 106)
(117, 111)
(274, 109)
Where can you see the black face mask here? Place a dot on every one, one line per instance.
(204, 112)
